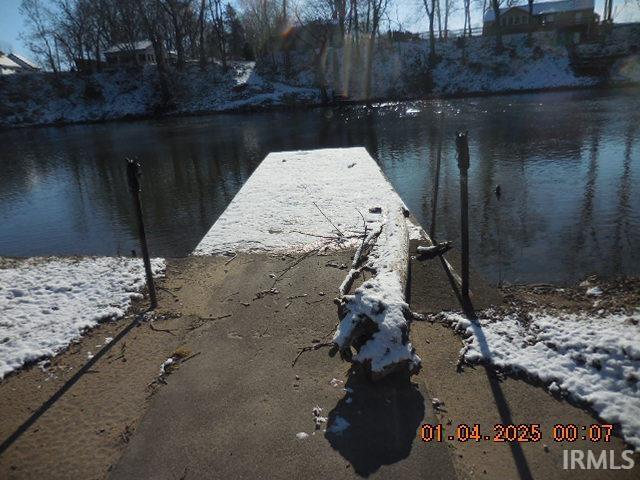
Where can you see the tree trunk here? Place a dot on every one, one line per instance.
(439, 20)
(447, 6)
(530, 29)
(161, 65)
(369, 68)
(432, 36)
(498, 27)
(203, 57)
(180, 49)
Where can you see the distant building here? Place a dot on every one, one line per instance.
(566, 15)
(137, 53)
(13, 63)
(27, 65)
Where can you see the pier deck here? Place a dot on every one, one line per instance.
(238, 410)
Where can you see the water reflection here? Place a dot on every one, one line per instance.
(567, 165)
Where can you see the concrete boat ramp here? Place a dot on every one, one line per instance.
(259, 287)
(240, 410)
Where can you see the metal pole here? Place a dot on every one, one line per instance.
(133, 178)
(436, 186)
(462, 146)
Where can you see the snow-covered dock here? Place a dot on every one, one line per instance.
(301, 200)
(323, 199)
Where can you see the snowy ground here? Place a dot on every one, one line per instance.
(45, 99)
(589, 357)
(301, 201)
(47, 303)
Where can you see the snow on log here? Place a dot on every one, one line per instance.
(375, 319)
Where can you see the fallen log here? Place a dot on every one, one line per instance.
(375, 320)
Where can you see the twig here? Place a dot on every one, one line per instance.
(235, 255)
(364, 237)
(296, 262)
(291, 297)
(331, 332)
(190, 357)
(165, 330)
(205, 320)
(166, 290)
(309, 348)
(332, 224)
(314, 235)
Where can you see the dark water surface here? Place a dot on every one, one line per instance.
(568, 165)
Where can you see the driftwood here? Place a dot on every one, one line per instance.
(434, 250)
(375, 320)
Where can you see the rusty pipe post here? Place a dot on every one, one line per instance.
(133, 178)
(462, 147)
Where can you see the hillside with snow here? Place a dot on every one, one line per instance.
(401, 70)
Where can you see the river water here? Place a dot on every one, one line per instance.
(568, 165)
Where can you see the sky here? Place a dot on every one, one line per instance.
(10, 27)
(407, 13)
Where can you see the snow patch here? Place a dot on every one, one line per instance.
(47, 303)
(594, 291)
(593, 360)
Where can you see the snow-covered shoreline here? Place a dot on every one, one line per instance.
(46, 303)
(401, 73)
(592, 359)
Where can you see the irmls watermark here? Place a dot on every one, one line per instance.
(602, 460)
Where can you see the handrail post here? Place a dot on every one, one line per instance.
(462, 147)
(133, 177)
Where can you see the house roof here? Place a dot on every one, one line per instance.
(128, 47)
(545, 8)
(22, 61)
(7, 63)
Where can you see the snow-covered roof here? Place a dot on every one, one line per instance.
(22, 61)
(7, 63)
(128, 47)
(546, 7)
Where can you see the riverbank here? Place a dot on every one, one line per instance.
(240, 344)
(401, 72)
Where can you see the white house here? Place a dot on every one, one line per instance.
(13, 63)
(569, 15)
(26, 64)
(137, 53)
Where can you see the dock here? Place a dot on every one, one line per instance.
(258, 288)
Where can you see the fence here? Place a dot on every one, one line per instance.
(451, 34)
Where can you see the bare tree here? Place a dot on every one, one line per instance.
(201, 18)
(449, 5)
(430, 8)
(179, 12)
(439, 15)
(376, 9)
(467, 17)
(153, 18)
(495, 4)
(530, 27)
(41, 35)
(218, 26)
